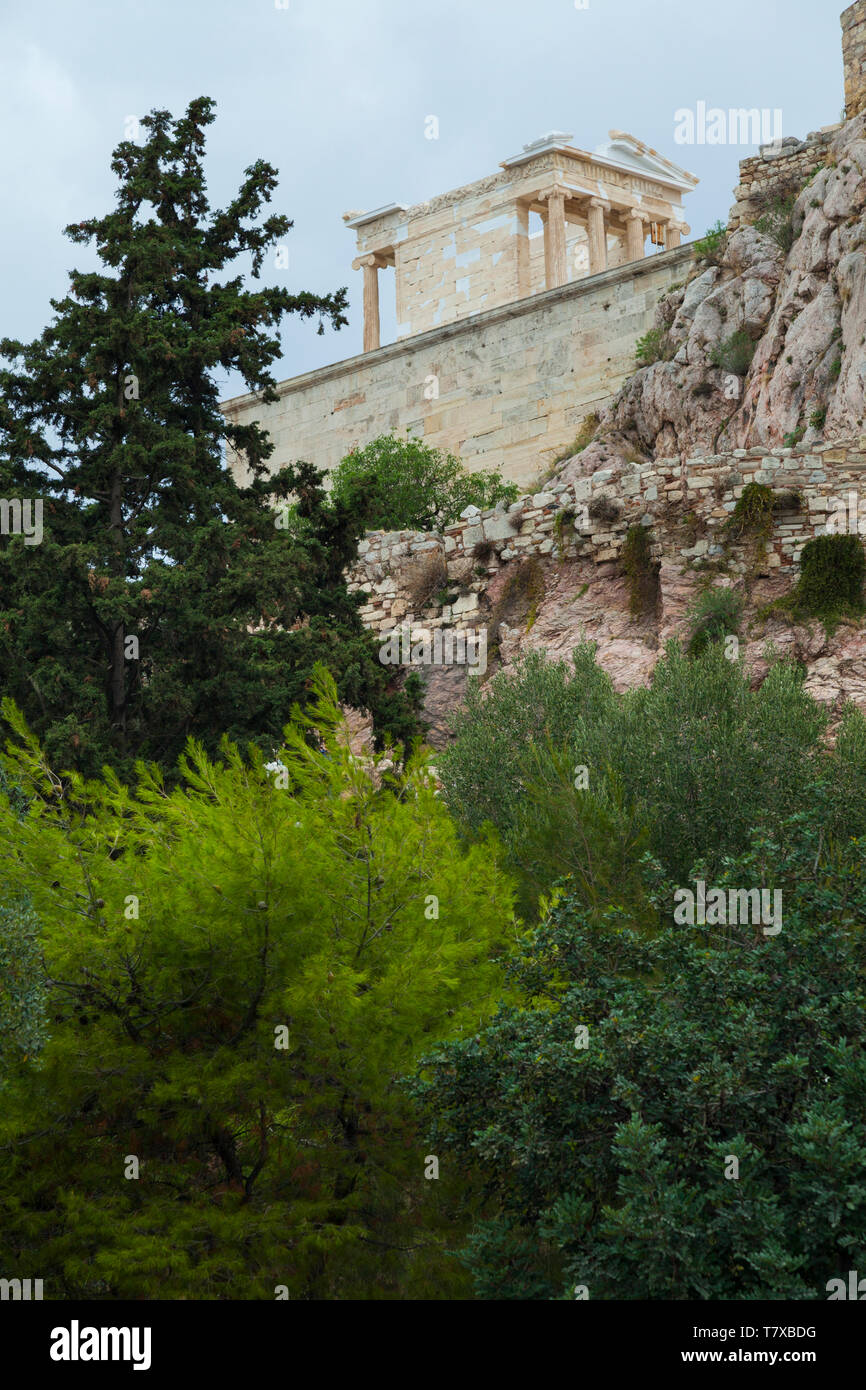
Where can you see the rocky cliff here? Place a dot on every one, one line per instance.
(755, 373)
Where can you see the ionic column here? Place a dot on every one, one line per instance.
(372, 331)
(636, 235)
(597, 230)
(555, 257)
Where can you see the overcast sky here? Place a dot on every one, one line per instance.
(336, 94)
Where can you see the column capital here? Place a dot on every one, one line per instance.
(602, 203)
(636, 215)
(554, 190)
(373, 260)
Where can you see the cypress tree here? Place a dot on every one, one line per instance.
(164, 598)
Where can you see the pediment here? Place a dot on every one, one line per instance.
(628, 152)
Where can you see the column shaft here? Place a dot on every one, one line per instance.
(371, 305)
(636, 236)
(597, 230)
(555, 259)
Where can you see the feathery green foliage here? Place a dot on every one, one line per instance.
(181, 931)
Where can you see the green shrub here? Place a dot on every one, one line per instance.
(640, 570)
(405, 484)
(563, 529)
(606, 1159)
(832, 571)
(700, 758)
(735, 353)
(777, 219)
(791, 440)
(715, 615)
(655, 346)
(712, 246)
(753, 513)
(818, 418)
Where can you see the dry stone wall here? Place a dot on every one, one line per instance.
(440, 579)
(854, 54)
(777, 168)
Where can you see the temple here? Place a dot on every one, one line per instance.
(554, 214)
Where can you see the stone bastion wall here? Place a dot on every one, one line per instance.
(504, 389)
(438, 580)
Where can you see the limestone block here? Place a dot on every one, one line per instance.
(497, 527)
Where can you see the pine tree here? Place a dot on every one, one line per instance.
(164, 598)
(235, 976)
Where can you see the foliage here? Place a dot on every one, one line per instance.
(165, 598)
(832, 571)
(589, 427)
(640, 570)
(656, 345)
(777, 218)
(735, 353)
(699, 757)
(181, 932)
(712, 246)
(753, 513)
(564, 529)
(22, 988)
(405, 484)
(608, 1166)
(519, 598)
(715, 615)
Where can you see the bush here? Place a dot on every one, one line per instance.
(832, 570)
(603, 509)
(426, 579)
(699, 758)
(777, 219)
(607, 1158)
(640, 570)
(655, 346)
(735, 353)
(712, 246)
(715, 615)
(404, 484)
(522, 592)
(753, 513)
